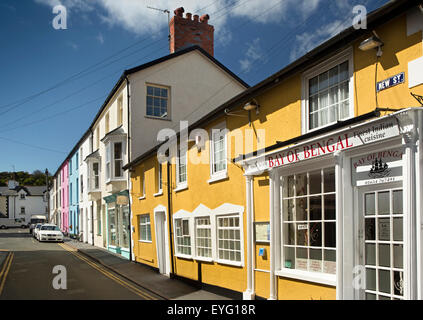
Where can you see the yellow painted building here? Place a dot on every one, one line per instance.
(305, 182)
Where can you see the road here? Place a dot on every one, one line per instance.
(27, 273)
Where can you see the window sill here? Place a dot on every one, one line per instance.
(181, 188)
(231, 263)
(317, 277)
(141, 198)
(158, 194)
(218, 177)
(203, 259)
(157, 118)
(183, 256)
(145, 241)
(115, 180)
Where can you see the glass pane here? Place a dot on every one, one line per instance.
(333, 76)
(370, 279)
(330, 207)
(333, 95)
(397, 202)
(398, 283)
(314, 103)
(384, 281)
(315, 182)
(384, 255)
(288, 187)
(301, 209)
(302, 234)
(316, 208)
(343, 71)
(329, 180)
(330, 261)
(323, 81)
(301, 184)
(313, 85)
(323, 99)
(369, 204)
(384, 226)
(330, 234)
(150, 90)
(315, 262)
(157, 91)
(398, 256)
(370, 229)
(289, 258)
(383, 203)
(289, 233)
(301, 260)
(370, 254)
(316, 234)
(398, 229)
(370, 296)
(164, 93)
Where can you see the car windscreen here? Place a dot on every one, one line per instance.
(50, 228)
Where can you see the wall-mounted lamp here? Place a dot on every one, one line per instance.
(251, 105)
(373, 42)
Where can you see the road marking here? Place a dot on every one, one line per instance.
(107, 273)
(5, 271)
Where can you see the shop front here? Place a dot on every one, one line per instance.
(118, 223)
(345, 211)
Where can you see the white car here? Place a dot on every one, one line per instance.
(49, 232)
(36, 229)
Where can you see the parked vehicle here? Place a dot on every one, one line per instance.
(36, 218)
(13, 223)
(36, 229)
(49, 232)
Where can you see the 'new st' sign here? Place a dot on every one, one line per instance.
(392, 81)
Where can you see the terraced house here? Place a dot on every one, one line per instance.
(305, 186)
(183, 85)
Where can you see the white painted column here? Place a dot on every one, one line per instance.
(339, 187)
(273, 236)
(410, 217)
(249, 294)
(419, 208)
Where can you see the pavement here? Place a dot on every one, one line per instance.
(143, 276)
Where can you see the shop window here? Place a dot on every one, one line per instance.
(183, 238)
(229, 238)
(203, 237)
(157, 101)
(145, 227)
(112, 227)
(309, 221)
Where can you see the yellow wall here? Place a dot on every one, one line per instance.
(280, 117)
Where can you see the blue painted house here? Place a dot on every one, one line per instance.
(74, 195)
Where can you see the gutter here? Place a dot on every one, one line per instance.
(129, 159)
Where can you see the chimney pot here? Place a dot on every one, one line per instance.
(178, 12)
(188, 15)
(196, 17)
(204, 18)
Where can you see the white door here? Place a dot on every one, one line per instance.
(160, 221)
(381, 241)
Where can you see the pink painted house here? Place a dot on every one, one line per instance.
(64, 176)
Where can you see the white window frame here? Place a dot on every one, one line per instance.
(110, 159)
(167, 117)
(159, 180)
(346, 55)
(148, 224)
(190, 235)
(210, 227)
(223, 174)
(108, 167)
(114, 160)
(316, 277)
(238, 228)
(184, 184)
(142, 185)
(93, 176)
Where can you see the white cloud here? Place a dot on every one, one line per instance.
(135, 17)
(253, 54)
(307, 41)
(100, 38)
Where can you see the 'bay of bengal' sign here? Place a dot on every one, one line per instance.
(359, 136)
(377, 167)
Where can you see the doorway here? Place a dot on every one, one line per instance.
(161, 242)
(381, 241)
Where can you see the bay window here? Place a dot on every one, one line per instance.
(229, 238)
(114, 160)
(203, 237)
(309, 221)
(95, 176)
(117, 147)
(108, 164)
(183, 238)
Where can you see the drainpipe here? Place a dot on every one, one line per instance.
(169, 211)
(128, 146)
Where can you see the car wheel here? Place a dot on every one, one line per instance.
(2, 227)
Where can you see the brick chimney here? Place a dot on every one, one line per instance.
(190, 30)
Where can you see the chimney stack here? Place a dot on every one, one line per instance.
(189, 31)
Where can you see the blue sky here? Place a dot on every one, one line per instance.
(54, 81)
